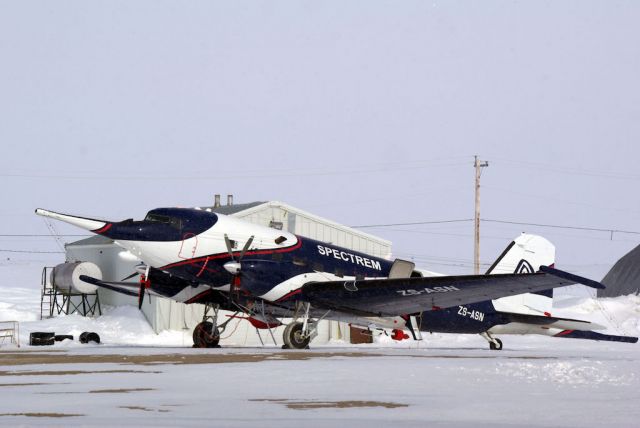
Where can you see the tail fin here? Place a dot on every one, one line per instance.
(525, 255)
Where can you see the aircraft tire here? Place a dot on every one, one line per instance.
(89, 336)
(497, 346)
(202, 337)
(293, 336)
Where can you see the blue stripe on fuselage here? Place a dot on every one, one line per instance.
(264, 269)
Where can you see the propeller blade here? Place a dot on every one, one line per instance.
(141, 269)
(228, 244)
(245, 248)
(141, 292)
(129, 277)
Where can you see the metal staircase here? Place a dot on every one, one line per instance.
(47, 293)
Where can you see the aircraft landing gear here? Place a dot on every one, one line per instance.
(207, 333)
(297, 335)
(294, 337)
(495, 344)
(204, 336)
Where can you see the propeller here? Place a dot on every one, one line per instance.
(142, 270)
(145, 282)
(234, 266)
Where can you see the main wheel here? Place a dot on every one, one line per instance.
(497, 346)
(203, 336)
(293, 337)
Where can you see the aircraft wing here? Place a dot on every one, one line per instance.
(128, 288)
(400, 296)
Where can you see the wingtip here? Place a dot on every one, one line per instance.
(571, 277)
(82, 222)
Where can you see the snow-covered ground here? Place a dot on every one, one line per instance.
(138, 378)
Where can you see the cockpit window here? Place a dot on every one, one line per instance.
(158, 218)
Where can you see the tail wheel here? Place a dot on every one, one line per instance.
(294, 338)
(496, 346)
(203, 336)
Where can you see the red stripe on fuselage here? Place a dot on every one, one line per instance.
(237, 253)
(292, 293)
(103, 229)
(564, 333)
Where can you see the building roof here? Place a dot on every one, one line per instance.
(92, 240)
(233, 209)
(624, 276)
(319, 219)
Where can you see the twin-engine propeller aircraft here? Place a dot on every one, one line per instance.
(196, 256)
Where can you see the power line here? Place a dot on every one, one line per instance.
(412, 223)
(567, 170)
(556, 226)
(31, 251)
(394, 167)
(488, 220)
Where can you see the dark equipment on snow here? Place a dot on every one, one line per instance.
(89, 336)
(39, 338)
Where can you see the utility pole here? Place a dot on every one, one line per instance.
(476, 235)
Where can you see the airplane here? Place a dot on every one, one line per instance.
(268, 275)
(528, 313)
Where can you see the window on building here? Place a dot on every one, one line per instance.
(275, 224)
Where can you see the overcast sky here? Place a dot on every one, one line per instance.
(364, 112)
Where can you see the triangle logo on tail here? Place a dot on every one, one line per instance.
(524, 267)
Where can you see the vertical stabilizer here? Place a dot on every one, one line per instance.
(525, 255)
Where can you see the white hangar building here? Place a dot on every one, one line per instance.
(166, 314)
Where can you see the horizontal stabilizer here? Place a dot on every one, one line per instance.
(592, 335)
(571, 277)
(552, 322)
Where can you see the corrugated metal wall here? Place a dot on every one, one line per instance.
(310, 227)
